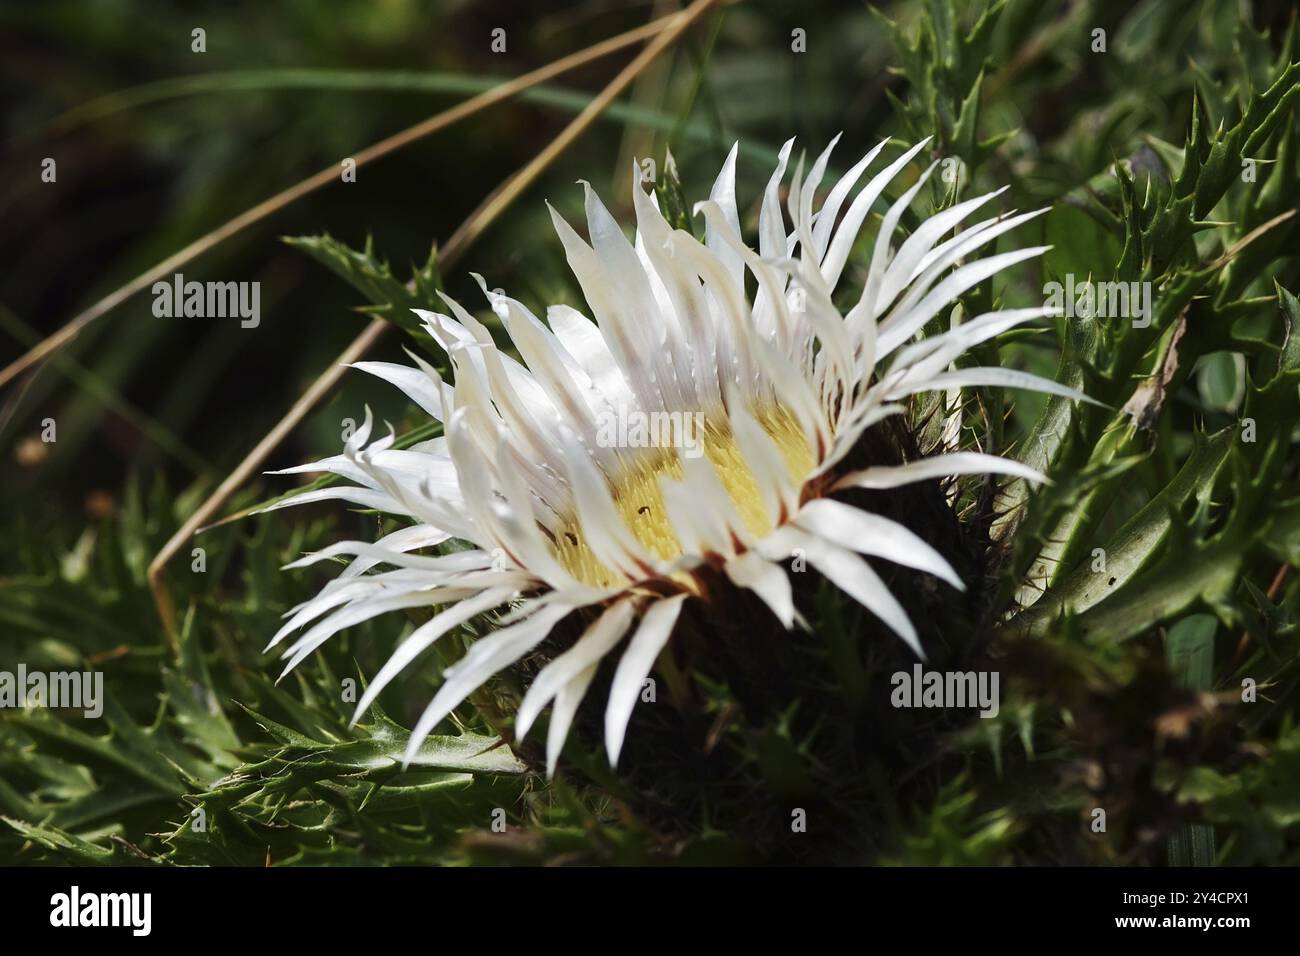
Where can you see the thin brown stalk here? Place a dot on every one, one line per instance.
(467, 233)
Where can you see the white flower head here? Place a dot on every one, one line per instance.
(557, 473)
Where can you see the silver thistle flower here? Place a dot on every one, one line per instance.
(561, 518)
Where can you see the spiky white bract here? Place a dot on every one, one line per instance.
(559, 519)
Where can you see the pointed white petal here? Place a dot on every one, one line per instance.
(366, 497)
(919, 244)
(724, 194)
(362, 610)
(884, 240)
(618, 325)
(582, 339)
(938, 466)
(901, 326)
(830, 211)
(402, 540)
(424, 636)
(848, 433)
(766, 579)
(633, 667)
(854, 577)
(485, 657)
(876, 535)
(993, 378)
(421, 389)
(771, 229)
(562, 714)
(596, 641)
(456, 561)
(842, 243)
(930, 355)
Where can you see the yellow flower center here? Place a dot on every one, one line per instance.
(640, 503)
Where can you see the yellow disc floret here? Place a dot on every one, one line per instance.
(640, 504)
